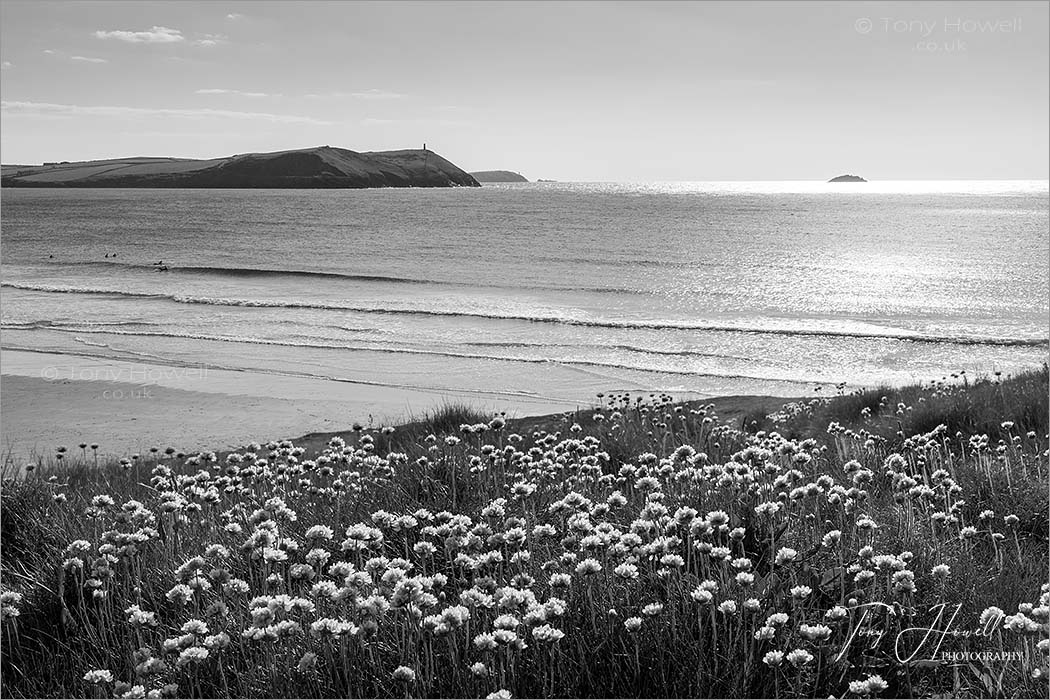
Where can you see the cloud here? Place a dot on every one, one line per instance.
(210, 40)
(79, 59)
(49, 109)
(239, 93)
(155, 35)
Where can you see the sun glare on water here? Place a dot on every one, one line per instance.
(918, 187)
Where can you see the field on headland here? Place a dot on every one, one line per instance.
(887, 542)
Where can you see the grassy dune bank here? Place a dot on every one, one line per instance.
(645, 549)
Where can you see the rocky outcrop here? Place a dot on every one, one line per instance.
(498, 176)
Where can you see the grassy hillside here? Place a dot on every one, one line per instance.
(498, 176)
(646, 549)
(321, 167)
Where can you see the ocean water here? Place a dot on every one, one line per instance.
(548, 291)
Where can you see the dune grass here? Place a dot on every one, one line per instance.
(960, 403)
(642, 550)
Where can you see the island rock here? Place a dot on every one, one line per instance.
(498, 176)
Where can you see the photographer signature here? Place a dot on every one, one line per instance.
(905, 647)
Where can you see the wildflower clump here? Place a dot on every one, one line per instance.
(655, 551)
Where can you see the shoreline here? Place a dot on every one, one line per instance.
(48, 400)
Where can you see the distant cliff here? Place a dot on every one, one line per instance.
(498, 176)
(321, 167)
(847, 178)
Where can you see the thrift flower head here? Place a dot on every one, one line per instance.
(217, 641)
(191, 655)
(799, 657)
(773, 658)
(991, 617)
(546, 633)
(836, 613)
(717, 518)
(727, 607)
(194, 627)
(702, 595)
(99, 676)
(872, 685)
(815, 632)
(485, 642)
(140, 618)
(587, 567)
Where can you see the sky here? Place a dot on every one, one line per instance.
(587, 91)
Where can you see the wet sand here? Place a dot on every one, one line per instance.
(47, 400)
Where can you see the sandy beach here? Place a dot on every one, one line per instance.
(49, 400)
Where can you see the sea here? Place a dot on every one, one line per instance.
(542, 292)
